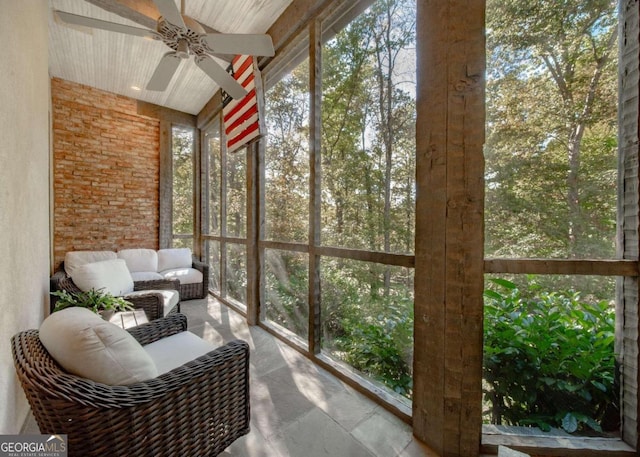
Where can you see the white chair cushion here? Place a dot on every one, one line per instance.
(75, 259)
(174, 258)
(176, 350)
(86, 345)
(185, 275)
(139, 259)
(145, 275)
(170, 298)
(111, 276)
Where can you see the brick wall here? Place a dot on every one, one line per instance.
(106, 171)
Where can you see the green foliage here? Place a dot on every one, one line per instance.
(367, 192)
(287, 157)
(182, 152)
(551, 128)
(548, 361)
(287, 290)
(368, 119)
(236, 198)
(377, 346)
(367, 325)
(95, 300)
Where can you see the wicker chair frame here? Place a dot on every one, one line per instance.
(152, 303)
(196, 410)
(198, 290)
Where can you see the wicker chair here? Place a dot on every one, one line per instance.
(198, 409)
(151, 303)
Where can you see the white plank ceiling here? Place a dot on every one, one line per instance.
(115, 62)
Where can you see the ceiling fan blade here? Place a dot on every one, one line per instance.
(170, 12)
(220, 76)
(164, 72)
(246, 44)
(85, 21)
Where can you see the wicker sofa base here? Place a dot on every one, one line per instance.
(151, 303)
(194, 291)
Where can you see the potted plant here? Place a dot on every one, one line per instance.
(98, 301)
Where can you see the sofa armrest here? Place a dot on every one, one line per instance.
(199, 265)
(204, 269)
(60, 281)
(159, 328)
(54, 281)
(151, 303)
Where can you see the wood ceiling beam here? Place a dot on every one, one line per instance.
(297, 15)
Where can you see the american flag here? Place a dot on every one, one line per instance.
(242, 117)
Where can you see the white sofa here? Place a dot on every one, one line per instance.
(102, 270)
(151, 265)
(174, 263)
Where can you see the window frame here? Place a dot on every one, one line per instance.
(449, 254)
(223, 240)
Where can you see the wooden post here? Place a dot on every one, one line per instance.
(449, 225)
(253, 211)
(315, 84)
(628, 289)
(166, 185)
(197, 196)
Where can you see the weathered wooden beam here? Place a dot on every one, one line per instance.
(296, 17)
(628, 220)
(566, 446)
(563, 267)
(315, 189)
(197, 195)
(212, 108)
(167, 114)
(166, 185)
(253, 221)
(449, 225)
(399, 260)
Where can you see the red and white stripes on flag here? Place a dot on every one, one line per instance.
(242, 117)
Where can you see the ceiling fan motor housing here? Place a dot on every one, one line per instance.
(183, 41)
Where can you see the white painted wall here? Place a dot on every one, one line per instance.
(24, 188)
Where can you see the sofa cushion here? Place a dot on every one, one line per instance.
(111, 276)
(170, 298)
(174, 258)
(140, 259)
(176, 350)
(86, 345)
(75, 259)
(185, 275)
(145, 276)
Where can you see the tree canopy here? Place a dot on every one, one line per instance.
(551, 128)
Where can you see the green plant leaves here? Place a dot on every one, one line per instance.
(95, 300)
(548, 358)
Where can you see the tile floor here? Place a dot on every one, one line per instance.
(297, 408)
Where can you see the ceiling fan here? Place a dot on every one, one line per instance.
(185, 36)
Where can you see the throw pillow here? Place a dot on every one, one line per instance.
(174, 258)
(111, 276)
(145, 260)
(86, 345)
(75, 259)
